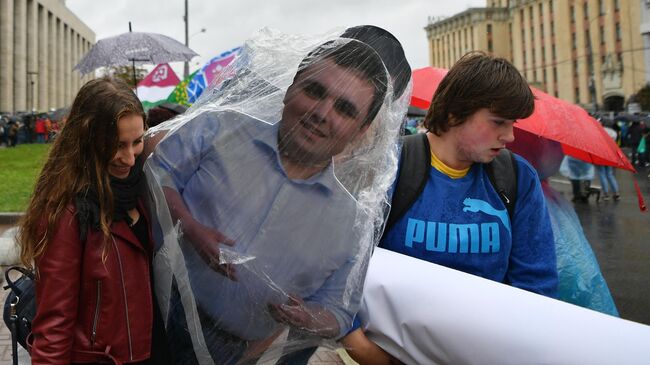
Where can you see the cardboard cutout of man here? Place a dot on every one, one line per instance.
(268, 236)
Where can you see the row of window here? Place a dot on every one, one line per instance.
(458, 43)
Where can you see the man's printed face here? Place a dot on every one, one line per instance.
(324, 111)
(481, 137)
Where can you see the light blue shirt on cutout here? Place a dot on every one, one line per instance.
(300, 234)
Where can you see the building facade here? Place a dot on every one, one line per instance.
(473, 29)
(40, 43)
(588, 52)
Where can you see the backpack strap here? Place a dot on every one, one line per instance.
(413, 174)
(502, 172)
(11, 283)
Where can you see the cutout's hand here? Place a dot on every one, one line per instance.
(206, 241)
(311, 318)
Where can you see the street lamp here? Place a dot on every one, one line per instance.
(186, 65)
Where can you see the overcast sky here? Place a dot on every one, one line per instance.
(229, 23)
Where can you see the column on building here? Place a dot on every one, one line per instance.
(646, 55)
(528, 44)
(537, 36)
(67, 64)
(75, 59)
(582, 53)
(6, 55)
(517, 39)
(447, 48)
(60, 64)
(32, 55)
(645, 35)
(43, 68)
(84, 49)
(632, 42)
(52, 60)
(20, 55)
(547, 72)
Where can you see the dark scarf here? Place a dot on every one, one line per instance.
(125, 197)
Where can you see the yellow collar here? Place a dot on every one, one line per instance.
(452, 173)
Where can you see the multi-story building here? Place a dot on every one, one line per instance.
(589, 52)
(474, 29)
(40, 43)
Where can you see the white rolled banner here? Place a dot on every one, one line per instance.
(424, 313)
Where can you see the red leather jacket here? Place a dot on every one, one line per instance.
(94, 302)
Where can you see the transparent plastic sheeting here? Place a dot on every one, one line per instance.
(269, 194)
(575, 169)
(424, 313)
(579, 276)
(580, 279)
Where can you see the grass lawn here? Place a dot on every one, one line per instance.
(19, 168)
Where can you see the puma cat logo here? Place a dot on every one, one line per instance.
(476, 205)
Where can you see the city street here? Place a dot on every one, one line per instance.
(620, 237)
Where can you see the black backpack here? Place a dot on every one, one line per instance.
(415, 163)
(19, 308)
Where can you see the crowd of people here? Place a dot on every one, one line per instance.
(253, 215)
(635, 136)
(28, 128)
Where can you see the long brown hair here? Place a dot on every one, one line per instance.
(77, 161)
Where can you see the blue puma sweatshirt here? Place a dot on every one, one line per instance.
(463, 224)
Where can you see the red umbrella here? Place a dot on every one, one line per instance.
(425, 83)
(581, 135)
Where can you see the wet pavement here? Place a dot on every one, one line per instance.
(620, 237)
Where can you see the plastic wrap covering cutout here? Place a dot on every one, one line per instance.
(269, 194)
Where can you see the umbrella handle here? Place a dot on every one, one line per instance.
(642, 206)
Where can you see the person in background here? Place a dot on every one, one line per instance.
(642, 148)
(4, 130)
(12, 132)
(48, 128)
(87, 234)
(606, 174)
(633, 138)
(580, 173)
(164, 112)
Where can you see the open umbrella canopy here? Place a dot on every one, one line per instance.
(425, 83)
(581, 135)
(137, 47)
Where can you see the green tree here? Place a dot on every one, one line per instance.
(126, 73)
(643, 97)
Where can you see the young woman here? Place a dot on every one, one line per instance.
(88, 235)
